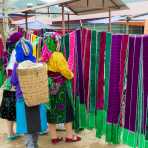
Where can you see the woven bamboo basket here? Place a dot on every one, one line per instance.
(34, 85)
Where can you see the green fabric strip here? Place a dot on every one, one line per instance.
(67, 45)
(107, 68)
(93, 73)
(91, 120)
(2, 77)
(130, 138)
(113, 133)
(146, 144)
(76, 122)
(109, 133)
(100, 123)
(116, 134)
(83, 116)
(141, 143)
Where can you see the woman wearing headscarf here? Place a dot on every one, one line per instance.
(29, 120)
(60, 106)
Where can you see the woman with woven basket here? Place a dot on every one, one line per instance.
(60, 106)
(30, 120)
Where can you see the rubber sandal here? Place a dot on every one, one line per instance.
(43, 133)
(74, 139)
(56, 140)
(12, 138)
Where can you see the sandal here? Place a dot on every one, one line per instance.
(74, 139)
(43, 133)
(12, 138)
(56, 140)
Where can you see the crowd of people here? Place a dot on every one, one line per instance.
(59, 109)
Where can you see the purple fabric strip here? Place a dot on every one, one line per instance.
(132, 83)
(145, 81)
(79, 66)
(114, 93)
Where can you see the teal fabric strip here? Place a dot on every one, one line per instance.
(97, 63)
(62, 44)
(67, 45)
(93, 73)
(107, 68)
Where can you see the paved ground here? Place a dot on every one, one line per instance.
(88, 141)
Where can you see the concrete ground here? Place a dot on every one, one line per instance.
(88, 141)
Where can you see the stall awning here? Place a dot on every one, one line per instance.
(81, 7)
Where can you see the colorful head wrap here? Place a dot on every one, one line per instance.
(46, 54)
(24, 51)
(52, 40)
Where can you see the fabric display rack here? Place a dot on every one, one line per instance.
(110, 84)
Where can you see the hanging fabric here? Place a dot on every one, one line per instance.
(130, 136)
(67, 45)
(143, 109)
(93, 63)
(1, 61)
(71, 51)
(100, 116)
(86, 63)
(112, 131)
(33, 38)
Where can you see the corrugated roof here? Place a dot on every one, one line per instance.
(136, 8)
(83, 7)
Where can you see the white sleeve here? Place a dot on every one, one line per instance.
(12, 61)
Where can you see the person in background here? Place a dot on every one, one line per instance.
(30, 120)
(60, 106)
(8, 105)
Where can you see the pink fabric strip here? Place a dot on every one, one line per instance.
(72, 48)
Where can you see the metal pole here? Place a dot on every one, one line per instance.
(63, 21)
(110, 24)
(26, 21)
(127, 25)
(5, 21)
